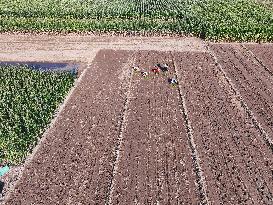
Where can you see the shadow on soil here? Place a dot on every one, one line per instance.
(45, 66)
(2, 184)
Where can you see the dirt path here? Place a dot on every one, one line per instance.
(82, 48)
(123, 139)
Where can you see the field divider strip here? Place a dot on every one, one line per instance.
(200, 179)
(239, 97)
(48, 129)
(257, 59)
(122, 125)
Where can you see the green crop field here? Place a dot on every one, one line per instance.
(28, 100)
(229, 20)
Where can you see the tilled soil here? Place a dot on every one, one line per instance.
(253, 81)
(235, 159)
(264, 54)
(154, 164)
(74, 164)
(125, 139)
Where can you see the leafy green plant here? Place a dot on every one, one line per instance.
(233, 20)
(28, 100)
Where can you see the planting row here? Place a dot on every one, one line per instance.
(235, 158)
(243, 20)
(253, 79)
(128, 138)
(155, 163)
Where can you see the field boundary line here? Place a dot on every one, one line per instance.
(122, 125)
(257, 59)
(200, 179)
(47, 131)
(239, 97)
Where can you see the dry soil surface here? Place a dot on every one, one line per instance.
(121, 138)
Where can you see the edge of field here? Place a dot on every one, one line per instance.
(15, 172)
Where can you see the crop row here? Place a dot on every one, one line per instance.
(28, 99)
(234, 20)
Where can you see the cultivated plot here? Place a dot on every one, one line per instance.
(155, 159)
(74, 163)
(232, 20)
(127, 138)
(253, 77)
(236, 161)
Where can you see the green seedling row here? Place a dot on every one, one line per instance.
(229, 20)
(28, 100)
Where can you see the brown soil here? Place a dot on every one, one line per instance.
(123, 139)
(73, 164)
(236, 162)
(264, 55)
(154, 164)
(83, 48)
(76, 49)
(253, 81)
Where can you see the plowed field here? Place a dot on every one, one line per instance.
(125, 139)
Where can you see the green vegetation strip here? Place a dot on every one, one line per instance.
(28, 100)
(232, 20)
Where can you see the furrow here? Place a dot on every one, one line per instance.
(120, 139)
(75, 162)
(250, 52)
(234, 158)
(155, 163)
(201, 181)
(250, 84)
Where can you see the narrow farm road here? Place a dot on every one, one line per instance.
(123, 138)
